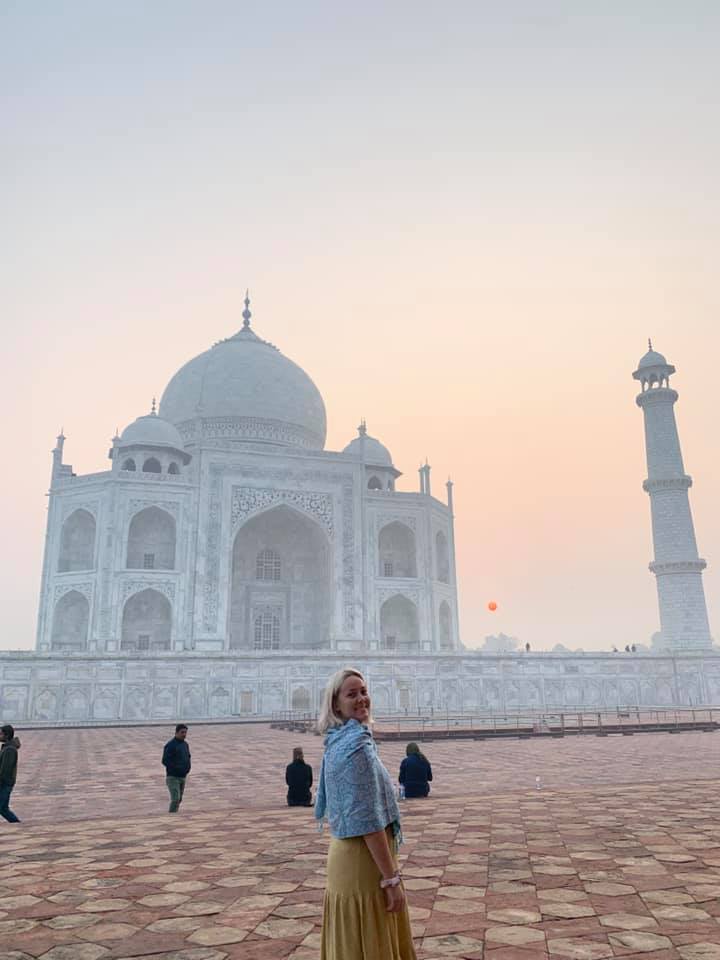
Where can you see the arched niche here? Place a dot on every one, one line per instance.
(146, 622)
(301, 701)
(374, 483)
(289, 605)
(173, 469)
(445, 626)
(76, 705)
(77, 542)
(442, 557)
(396, 547)
(399, 630)
(152, 465)
(151, 540)
(129, 464)
(71, 619)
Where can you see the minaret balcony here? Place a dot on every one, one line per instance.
(677, 566)
(656, 395)
(668, 483)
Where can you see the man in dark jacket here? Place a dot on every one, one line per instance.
(176, 760)
(8, 770)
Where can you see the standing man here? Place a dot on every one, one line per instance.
(8, 770)
(176, 760)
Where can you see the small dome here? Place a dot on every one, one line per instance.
(375, 453)
(652, 359)
(152, 431)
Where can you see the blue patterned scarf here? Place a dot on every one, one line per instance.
(355, 791)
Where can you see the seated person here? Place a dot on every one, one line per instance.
(415, 772)
(299, 778)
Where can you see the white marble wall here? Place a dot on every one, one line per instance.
(73, 687)
(209, 502)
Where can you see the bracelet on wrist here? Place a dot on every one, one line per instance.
(391, 881)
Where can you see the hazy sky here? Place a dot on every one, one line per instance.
(462, 219)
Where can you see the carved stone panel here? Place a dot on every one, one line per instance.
(85, 588)
(249, 500)
(131, 587)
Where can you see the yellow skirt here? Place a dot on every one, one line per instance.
(356, 925)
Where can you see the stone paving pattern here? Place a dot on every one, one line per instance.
(617, 855)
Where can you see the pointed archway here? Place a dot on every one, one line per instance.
(146, 622)
(280, 597)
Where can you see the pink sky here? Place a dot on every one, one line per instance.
(463, 229)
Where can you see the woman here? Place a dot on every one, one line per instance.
(415, 772)
(298, 777)
(365, 913)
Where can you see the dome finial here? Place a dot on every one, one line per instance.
(362, 429)
(246, 314)
(649, 344)
(153, 408)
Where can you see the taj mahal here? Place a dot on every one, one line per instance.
(224, 525)
(226, 563)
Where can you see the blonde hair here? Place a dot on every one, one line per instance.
(329, 717)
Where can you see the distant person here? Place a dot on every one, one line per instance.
(299, 778)
(415, 772)
(176, 760)
(8, 770)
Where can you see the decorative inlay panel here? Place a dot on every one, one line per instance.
(384, 593)
(250, 428)
(383, 519)
(249, 500)
(171, 506)
(85, 588)
(130, 587)
(70, 506)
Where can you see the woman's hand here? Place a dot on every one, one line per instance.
(394, 898)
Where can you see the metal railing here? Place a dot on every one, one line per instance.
(293, 720)
(621, 720)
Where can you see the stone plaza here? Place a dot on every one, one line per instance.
(616, 854)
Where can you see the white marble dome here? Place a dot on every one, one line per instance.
(151, 431)
(375, 453)
(652, 359)
(243, 388)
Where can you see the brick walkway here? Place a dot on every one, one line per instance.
(617, 855)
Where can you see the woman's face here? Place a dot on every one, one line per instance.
(353, 700)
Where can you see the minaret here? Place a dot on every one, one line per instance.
(677, 566)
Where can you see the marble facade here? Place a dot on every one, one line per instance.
(104, 688)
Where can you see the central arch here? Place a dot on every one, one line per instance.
(280, 595)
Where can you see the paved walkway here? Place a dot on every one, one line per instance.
(617, 855)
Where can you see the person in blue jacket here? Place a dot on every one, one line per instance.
(415, 772)
(176, 760)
